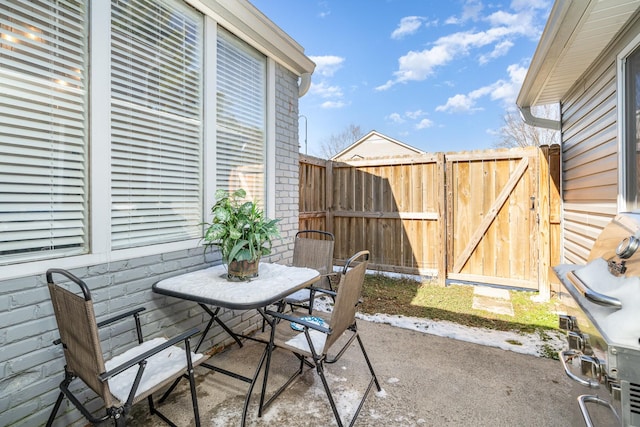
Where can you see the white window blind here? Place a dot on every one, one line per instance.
(156, 122)
(241, 111)
(43, 129)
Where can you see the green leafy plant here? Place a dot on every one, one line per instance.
(239, 228)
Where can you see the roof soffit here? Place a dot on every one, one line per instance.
(576, 34)
(247, 22)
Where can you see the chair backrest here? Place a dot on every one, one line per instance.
(348, 297)
(314, 249)
(79, 333)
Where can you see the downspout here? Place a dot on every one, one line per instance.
(539, 122)
(305, 83)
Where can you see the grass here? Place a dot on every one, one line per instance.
(407, 297)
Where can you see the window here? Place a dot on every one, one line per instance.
(241, 111)
(43, 129)
(148, 125)
(156, 122)
(632, 129)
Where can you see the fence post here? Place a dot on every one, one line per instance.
(544, 242)
(328, 170)
(442, 219)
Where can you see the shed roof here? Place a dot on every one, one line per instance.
(576, 34)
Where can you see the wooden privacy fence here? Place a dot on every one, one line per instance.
(484, 216)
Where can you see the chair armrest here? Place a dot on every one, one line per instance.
(121, 316)
(324, 291)
(299, 321)
(131, 362)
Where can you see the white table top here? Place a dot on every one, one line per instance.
(211, 286)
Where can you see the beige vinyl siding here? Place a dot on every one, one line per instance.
(590, 160)
(377, 147)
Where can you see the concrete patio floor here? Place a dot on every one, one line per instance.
(427, 381)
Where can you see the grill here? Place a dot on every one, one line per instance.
(603, 323)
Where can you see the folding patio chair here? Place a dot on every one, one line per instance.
(314, 346)
(313, 249)
(125, 379)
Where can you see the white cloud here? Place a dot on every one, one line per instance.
(327, 65)
(504, 18)
(503, 28)
(457, 103)
(326, 12)
(325, 90)
(499, 50)
(415, 114)
(530, 4)
(408, 25)
(507, 91)
(395, 118)
(385, 86)
(504, 91)
(414, 117)
(416, 66)
(333, 104)
(411, 116)
(424, 123)
(470, 12)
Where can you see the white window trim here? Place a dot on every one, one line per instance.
(100, 149)
(210, 119)
(621, 93)
(270, 155)
(100, 129)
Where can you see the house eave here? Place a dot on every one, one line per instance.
(247, 22)
(561, 57)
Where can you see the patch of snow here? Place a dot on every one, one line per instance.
(211, 284)
(531, 344)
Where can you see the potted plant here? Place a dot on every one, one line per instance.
(241, 231)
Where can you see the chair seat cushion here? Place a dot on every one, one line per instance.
(299, 342)
(160, 367)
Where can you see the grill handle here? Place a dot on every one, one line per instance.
(565, 356)
(585, 398)
(591, 295)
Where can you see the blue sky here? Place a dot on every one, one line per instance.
(435, 74)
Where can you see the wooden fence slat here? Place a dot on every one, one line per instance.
(388, 215)
(491, 214)
(411, 212)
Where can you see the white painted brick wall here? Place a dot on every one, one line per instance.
(31, 367)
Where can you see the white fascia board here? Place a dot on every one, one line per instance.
(247, 22)
(564, 20)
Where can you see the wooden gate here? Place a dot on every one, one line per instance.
(484, 216)
(492, 221)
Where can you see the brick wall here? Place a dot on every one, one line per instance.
(31, 367)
